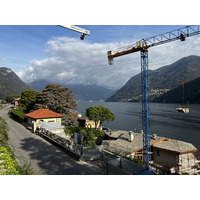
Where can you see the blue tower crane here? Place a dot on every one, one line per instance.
(142, 46)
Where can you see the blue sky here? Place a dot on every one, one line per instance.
(22, 43)
(51, 52)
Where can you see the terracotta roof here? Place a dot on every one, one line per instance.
(43, 113)
(18, 99)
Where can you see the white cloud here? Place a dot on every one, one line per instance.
(4, 59)
(73, 61)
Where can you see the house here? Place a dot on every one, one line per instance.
(16, 101)
(43, 115)
(176, 157)
(85, 122)
(172, 156)
(76, 113)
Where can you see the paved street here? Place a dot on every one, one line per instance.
(44, 157)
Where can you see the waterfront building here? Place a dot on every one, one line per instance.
(169, 155)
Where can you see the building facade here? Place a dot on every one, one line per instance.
(43, 115)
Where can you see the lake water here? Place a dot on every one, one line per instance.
(165, 121)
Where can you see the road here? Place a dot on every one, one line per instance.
(43, 156)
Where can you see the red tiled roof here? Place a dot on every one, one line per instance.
(43, 113)
(83, 118)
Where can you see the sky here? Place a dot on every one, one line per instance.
(56, 54)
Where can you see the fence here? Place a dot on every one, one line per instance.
(121, 166)
(77, 151)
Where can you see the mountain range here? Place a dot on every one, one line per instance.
(82, 92)
(165, 85)
(161, 80)
(10, 83)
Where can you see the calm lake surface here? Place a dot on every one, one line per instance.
(165, 121)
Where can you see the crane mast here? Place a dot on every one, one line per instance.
(142, 46)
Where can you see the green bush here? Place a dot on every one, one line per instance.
(26, 169)
(89, 135)
(3, 132)
(19, 113)
(68, 132)
(137, 161)
(185, 173)
(3, 102)
(8, 166)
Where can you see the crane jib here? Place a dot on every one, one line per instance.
(179, 34)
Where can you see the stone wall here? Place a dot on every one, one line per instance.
(84, 153)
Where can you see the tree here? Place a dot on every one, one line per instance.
(11, 98)
(99, 113)
(26, 104)
(28, 99)
(61, 100)
(89, 135)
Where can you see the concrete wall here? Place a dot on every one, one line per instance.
(53, 120)
(91, 124)
(33, 122)
(30, 121)
(58, 120)
(121, 166)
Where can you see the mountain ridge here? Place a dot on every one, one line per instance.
(160, 80)
(82, 92)
(189, 94)
(10, 83)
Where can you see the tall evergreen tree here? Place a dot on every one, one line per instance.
(61, 100)
(28, 99)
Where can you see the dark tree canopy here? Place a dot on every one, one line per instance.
(28, 99)
(99, 113)
(59, 99)
(26, 104)
(11, 98)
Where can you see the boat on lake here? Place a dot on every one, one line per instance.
(183, 109)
